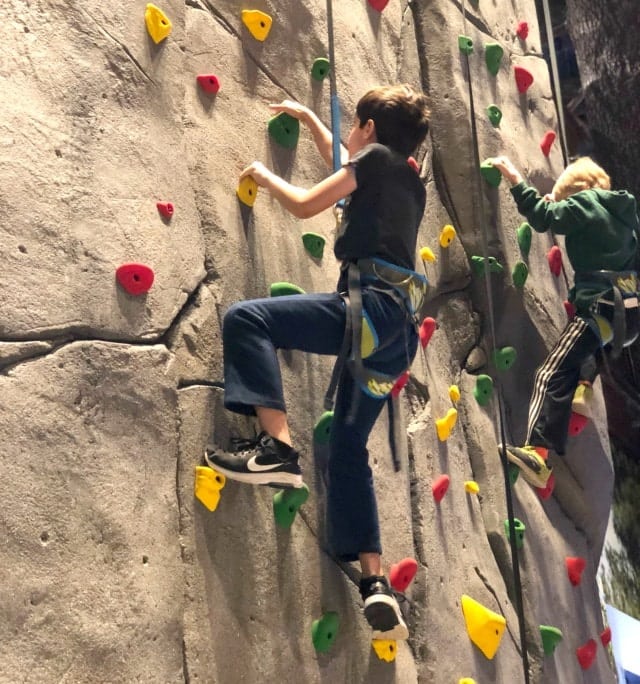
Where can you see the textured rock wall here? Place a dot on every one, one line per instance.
(111, 571)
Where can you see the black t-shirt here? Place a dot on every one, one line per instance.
(382, 215)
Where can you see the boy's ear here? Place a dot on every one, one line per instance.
(370, 129)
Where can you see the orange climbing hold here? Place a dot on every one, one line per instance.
(587, 654)
(439, 487)
(426, 330)
(165, 209)
(401, 574)
(522, 30)
(547, 140)
(554, 257)
(575, 567)
(524, 78)
(136, 279)
(209, 83)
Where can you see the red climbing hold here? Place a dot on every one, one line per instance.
(165, 208)
(401, 574)
(426, 330)
(209, 83)
(605, 636)
(587, 654)
(570, 309)
(577, 423)
(547, 140)
(413, 164)
(554, 257)
(545, 492)
(136, 279)
(522, 31)
(400, 383)
(524, 79)
(378, 5)
(575, 566)
(439, 487)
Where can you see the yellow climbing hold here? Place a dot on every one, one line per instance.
(207, 486)
(454, 393)
(446, 424)
(471, 487)
(467, 680)
(247, 191)
(385, 649)
(258, 23)
(157, 22)
(447, 235)
(485, 628)
(426, 254)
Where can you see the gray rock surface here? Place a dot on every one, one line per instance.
(112, 571)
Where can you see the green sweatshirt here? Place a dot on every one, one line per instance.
(600, 229)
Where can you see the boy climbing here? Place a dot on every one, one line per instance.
(601, 232)
(376, 244)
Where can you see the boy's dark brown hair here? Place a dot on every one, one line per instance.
(400, 114)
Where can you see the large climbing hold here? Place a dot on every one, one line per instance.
(439, 487)
(401, 574)
(258, 23)
(519, 274)
(136, 279)
(207, 485)
(427, 328)
(209, 83)
(522, 30)
(523, 234)
(445, 425)
(524, 78)
(314, 244)
(554, 258)
(490, 173)
(492, 56)
(385, 649)
(519, 528)
(504, 358)
(282, 289)
(378, 5)
(286, 504)
(586, 654)
(158, 24)
(495, 115)
(320, 69)
(551, 637)
(324, 631)
(247, 191)
(165, 209)
(447, 236)
(575, 568)
(483, 390)
(547, 141)
(465, 44)
(284, 129)
(484, 627)
(322, 429)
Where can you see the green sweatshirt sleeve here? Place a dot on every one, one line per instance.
(560, 217)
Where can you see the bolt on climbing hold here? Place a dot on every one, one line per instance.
(165, 209)
(378, 5)
(483, 389)
(284, 129)
(554, 257)
(247, 191)
(570, 309)
(493, 56)
(283, 288)
(286, 504)
(385, 649)
(426, 254)
(400, 384)
(484, 627)
(575, 567)
(465, 44)
(522, 30)
(446, 424)
(402, 573)
(314, 244)
(577, 423)
(454, 393)
(582, 399)
(586, 654)
(490, 173)
(413, 164)
(466, 680)
(551, 637)
(523, 234)
(439, 487)
(322, 429)
(504, 358)
(324, 631)
(524, 78)
(426, 330)
(158, 24)
(519, 274)
(519, 530)
(210, 83)
(605, 636)
(320, 68)
(207, 485)
(479, 262)
(547, 140)
(447, 235)
(545, 492)
(495, 115)
(258, 23)
(136, 279)
(471, 487)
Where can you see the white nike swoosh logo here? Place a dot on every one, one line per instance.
(256, 467)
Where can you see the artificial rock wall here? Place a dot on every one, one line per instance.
(111, 571)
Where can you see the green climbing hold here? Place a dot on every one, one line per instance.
(519, 274)
(320, 69)
(493, 55)
(479, 262)
(483, 390)
(551, 637)
(514, 471)
(495, 115)
(286, 504)
(519, 528)
(283, 288)
(324, 631)
(284, 129)
(524, 238)
(490, 173)
(494, 265)
(465, 44)
(322, 430)
(314, 244)
(504, 358)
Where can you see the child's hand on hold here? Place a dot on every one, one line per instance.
(507, 169)
(294, 109)
(259, 172)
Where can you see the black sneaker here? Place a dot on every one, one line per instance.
(263, 461)
(533, 467)
(382, 610)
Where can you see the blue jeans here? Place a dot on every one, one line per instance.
(252, 332)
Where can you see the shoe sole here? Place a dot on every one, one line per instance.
(278, 479)
(382, 615)
(529, 475)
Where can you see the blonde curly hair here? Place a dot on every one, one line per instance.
(582, 174)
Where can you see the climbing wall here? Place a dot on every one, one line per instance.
(123, 243)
